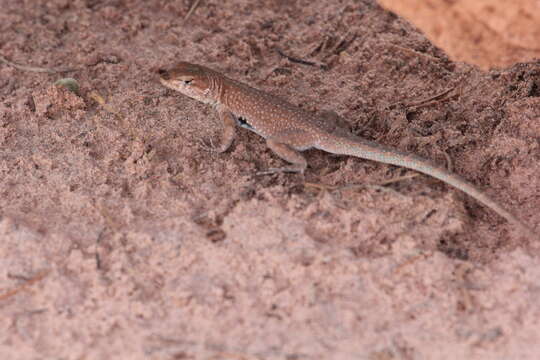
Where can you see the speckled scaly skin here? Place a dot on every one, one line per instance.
(289, 129)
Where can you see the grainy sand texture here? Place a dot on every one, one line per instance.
(123, 237)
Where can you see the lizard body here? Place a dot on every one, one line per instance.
(289, 129)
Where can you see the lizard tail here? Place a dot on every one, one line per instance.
(358, 147)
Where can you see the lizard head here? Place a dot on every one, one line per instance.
(189, 79)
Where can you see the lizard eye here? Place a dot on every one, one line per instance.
(187, 82)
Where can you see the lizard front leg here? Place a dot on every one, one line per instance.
(229, 128)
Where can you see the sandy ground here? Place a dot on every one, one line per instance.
(123, 237)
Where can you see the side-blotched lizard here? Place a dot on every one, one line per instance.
(289, 129)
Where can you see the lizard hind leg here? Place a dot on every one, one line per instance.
(332, 122)
(287, 153)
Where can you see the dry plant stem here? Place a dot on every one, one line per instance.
(416, 53)
(41, 275)
(192, 9)
(296, 60)
(35, 69)
(431, 100)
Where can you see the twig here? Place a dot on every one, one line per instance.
(343, 43)
(411, 261)
(301, 61)
(35, 279)
(320, 186)
(399, 178)
(426, 102)
(433, 99)
(35, 69)
(192, 9)
(414, 52)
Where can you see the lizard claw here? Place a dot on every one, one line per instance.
(210, 147)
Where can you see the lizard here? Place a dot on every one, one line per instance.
(288, 130)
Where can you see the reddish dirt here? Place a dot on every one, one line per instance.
(490, 34)
(122, 237)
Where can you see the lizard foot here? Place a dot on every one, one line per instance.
(211, 147)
